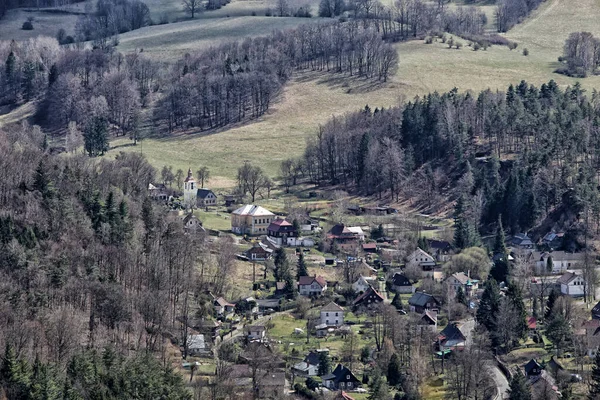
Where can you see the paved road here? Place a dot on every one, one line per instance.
(467, 329)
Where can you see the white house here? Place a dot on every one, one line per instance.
(193, 196)
(561, 261)
(464, 281)
(312, 285)
(363, 283)
(332, 315)
(421, 258)
(358, 232)
(192, 224)
(256, 332)
(572, 284)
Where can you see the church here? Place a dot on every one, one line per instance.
(195, 197)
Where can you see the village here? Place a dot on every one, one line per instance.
(320, 301)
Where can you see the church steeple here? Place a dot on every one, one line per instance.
(190, 190)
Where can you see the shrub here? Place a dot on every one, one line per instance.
(525, 52)
(512, 45)
(444, 38)
(164, 19)
(268, 12)
(61, 36)
(450, 43)
(428, 40)
(27, 26)
(254, 13)
(458, 45)
(476, 46)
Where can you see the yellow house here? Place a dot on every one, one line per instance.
(251, 220)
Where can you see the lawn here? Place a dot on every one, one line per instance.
(311, 98)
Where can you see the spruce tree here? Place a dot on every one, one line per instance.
(519, 389)
(516, 298)
(489, 305)
(552, 297)
(394, 372)
(549, 264)
(594, 392)
(301, 270)
(379, 388)
(500, 239)
(95, 136)
(397, 302)
(324, 363)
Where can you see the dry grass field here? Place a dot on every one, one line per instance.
(309, 99)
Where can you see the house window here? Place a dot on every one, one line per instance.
(326, 322)
(327, 314)
(348, 377)
(336, 314)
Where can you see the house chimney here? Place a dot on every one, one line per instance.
(469, 274)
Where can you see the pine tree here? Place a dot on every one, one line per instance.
(423, 244)
(397, 302)
(489, 305)
(379, 388)
(324, 363)
(281, 264)
(460, 296)
(394, 372)
(519, 389)
(594, 392)
(549, 264)
(301, 269)
(95, 136)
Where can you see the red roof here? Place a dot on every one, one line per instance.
(370, 246)
(531, 323)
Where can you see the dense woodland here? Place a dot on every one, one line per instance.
(88, 262)
(519, 154)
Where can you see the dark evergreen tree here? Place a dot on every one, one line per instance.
(489, 305)
(301, 270)
(519, 388)
(394, 371)
(500, 239)
(95, 136)
(516, 299)
(324, 363)
(549, 309)
(423, 244)
(397, 302)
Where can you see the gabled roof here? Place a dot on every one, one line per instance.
(522, 239)
(596, 309)
(532, 364)
(451, 332)
(340, 374)
(429, 317)
(369, 292)
(340, 230)
(400, 280)
(420, 299)
(280, 224)
(420, 251)
(531, 323)
(369, 246)
(189, 217)
(253, 210)
(203, 193)
(332, 307)
(567, 278)
(256, 328)
(439, 244)
(308, 280)
(461, 277)
(223, 303)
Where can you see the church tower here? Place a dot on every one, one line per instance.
(190, 190)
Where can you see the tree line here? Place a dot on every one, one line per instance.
(581, 55)
(549, 134)
(238, 80)
(508, 13)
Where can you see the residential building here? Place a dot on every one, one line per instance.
(305, 369)
(223, 308)
(462, 280)
(561, 261)
(572, 284)
(553, 240)
(428, 321)
(312, 285)
(441, 250)
(256, 332)
(251, 220)
(158, 191)
(522, 241)
(420, 301)
(206, 198)
(279, 230)
(532, 368)
(341, 378)
(592, 336)
(332, 315)
(401, 284)
(272, 385)
(363, 283)
(342, 238)
(369, 247)
(191, 224)
(451, 338)
(368, 298)
(258, 252)
(421, 258)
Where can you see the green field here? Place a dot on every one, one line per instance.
(310, 98)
